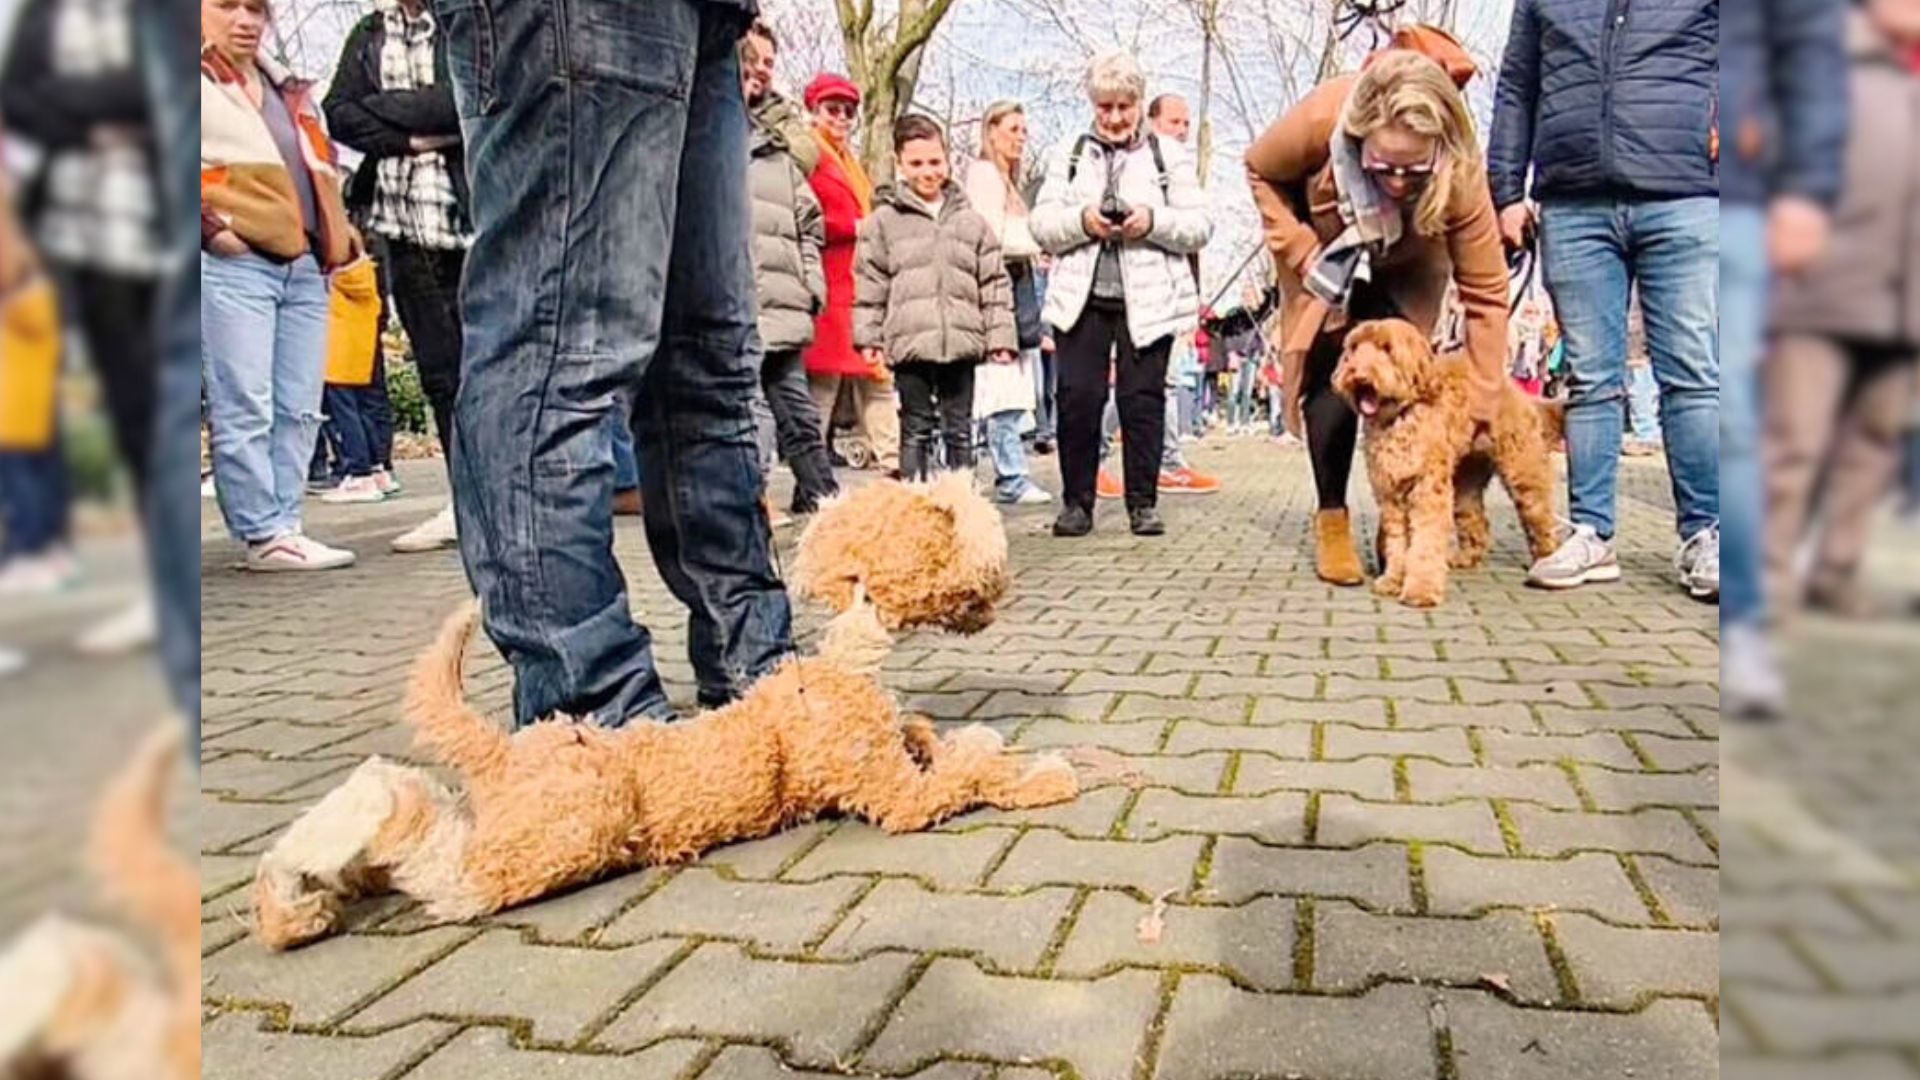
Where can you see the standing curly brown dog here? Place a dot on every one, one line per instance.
(1428, 471)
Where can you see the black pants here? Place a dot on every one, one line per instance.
(1333, 428)
(935, 397)
(115, 316)
(426, 295)
(1097, 343)
(796, 425)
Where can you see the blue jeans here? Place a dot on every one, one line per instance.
(263, 332)
(626, 467)
(1643, 402)
(1743, 325)
(1240, 408)
(359, 426)
(34, 501)
(1592, 252)
(1046, 407)
(1010, 473)
(607, 150)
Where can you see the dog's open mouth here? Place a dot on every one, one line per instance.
(1368, 402)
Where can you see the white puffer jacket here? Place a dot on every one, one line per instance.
(1162, 298)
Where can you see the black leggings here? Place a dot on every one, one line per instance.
(1333, 429)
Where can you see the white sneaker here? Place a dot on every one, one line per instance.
(388, 486)
(206, 487)
(437, 533)
(356, 489)
(12, 662)
(1034, 495)
(1751, 686)
(134, 629)
(39, 575)
(1697, 564)
(1581, 558)
(294, 552)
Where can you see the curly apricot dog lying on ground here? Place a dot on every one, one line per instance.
(85, 1001)
(560, 803)
(1429, 475)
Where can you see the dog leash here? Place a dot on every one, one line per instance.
(1523, 266)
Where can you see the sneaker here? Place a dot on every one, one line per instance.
(1751, 687)
(1033, 495)
(1581, 558)
(1073, 521)
(12, 662)
(132, 630)
(1698, 564)
(39, 575)
(388, 486)
(206, 487)
(1187, 481)
(434, 534)
(1145, 521)
(1108, 486)
(320, 487)
(294, 552)
(355, 489)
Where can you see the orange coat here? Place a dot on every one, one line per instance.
(1290, 171)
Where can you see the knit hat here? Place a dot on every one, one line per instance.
(828, 86)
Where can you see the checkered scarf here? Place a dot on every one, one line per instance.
(1373, 225)
(101, 209)
(413, 193)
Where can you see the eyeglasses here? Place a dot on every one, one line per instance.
(846, 110)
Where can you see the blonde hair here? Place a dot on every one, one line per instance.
(997, 112)
(1409, 90)
(1114, 72)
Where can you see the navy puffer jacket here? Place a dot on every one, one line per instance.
(1785, 111)
(1607, 98)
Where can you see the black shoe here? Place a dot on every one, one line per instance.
(1073, 521)
(1043, 447)
(1145, 521)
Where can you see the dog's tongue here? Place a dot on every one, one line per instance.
(1369, 405)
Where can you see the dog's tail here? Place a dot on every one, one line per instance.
(139, 871)
(443, 723)
(1553, 420)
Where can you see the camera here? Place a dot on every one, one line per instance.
(1114, 209)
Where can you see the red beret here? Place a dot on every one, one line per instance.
(826, 86)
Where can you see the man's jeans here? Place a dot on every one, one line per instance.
(607, 149)
(34, 501)
(1643, 402)
(1743, 278)
(1046, 407)
(1592, 253)
(263, 332)
(359, 426)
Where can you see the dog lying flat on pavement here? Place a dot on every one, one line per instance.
(1428, 473)
(561, 802)
(83, 1001)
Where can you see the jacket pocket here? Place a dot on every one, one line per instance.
(471, 51)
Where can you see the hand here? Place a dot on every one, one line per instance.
(427, 144)
(1097, 226)
(1003, 356)
(1138, 224)
(226, 243)
(1796, 233)
(1292, 416)
(1516, 223)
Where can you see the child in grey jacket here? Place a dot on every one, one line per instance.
(932, 298)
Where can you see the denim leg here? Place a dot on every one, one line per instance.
(709, 535)
(376, 412)
(299, 381)
(766, 434)
(1643, 404)
(349, 429)
(1743, 279)
(1583, 258)
(573, 154)
(34, 501)
(626, 468)
(1045, 406)
(1109, 426)
(1170, 456)
(239, 309)
(1009, 455)
(1676, 255)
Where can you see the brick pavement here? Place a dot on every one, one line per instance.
(1474, 843)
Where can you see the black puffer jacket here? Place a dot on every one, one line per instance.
(1607, 98)
(380, 123)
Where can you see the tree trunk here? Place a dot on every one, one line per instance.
(1203, 141)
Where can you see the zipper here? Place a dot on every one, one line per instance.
(1609, 48)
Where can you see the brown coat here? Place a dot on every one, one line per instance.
(1290, 171)
(1866, 287)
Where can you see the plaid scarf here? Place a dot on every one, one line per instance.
(1373, 221)
(100, 208)
(413, 193)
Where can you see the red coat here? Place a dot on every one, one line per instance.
(832, 351)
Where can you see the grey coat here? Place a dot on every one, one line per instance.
(927, 290)
(1866, 287)
(788, 233)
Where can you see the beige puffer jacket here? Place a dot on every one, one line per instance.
(788, 234)
(927, 290)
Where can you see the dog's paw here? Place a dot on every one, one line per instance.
(1387, 585)
(1466, 560)
(977, 738)
(1422, 594)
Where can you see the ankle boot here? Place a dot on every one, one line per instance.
(1334, 555)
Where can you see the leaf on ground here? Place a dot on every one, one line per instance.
(1098, 765)
(1154, 923)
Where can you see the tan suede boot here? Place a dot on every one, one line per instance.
(1334, 554)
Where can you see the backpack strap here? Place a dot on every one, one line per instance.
(1073, 158)
(1160, 169)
